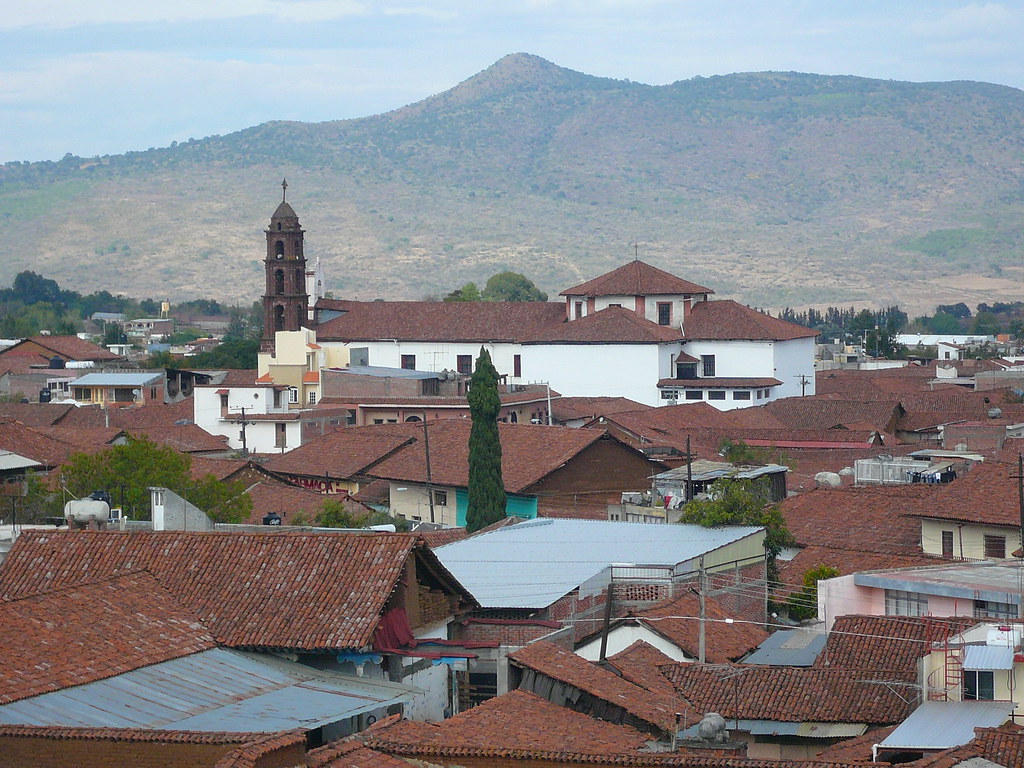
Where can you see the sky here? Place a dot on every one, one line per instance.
(96, 77)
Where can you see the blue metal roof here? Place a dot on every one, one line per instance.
(946, 724)
(215, 690)
(532, 564)
(789, 648)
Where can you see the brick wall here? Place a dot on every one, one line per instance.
(515, 635)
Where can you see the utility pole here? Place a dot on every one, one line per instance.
(804, 381)
(426, 448)
(703, 614)
(243, 422)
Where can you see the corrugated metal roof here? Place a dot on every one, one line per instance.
(987, 657)
(532, 564)
(780, 728)
(946, 724)
(789, 648)
(702, 470)
(10, 460)
(118, 379)
(215, 690)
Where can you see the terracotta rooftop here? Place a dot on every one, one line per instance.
(827, 413)
(34, 444)
(250, 589)
(352, 754)
(517, 720)
(35, 414)
(184, 438)
(272, 495)
(723, 641)
(985, 495)
(569, 408)
(788, 694)
(552, 661)
(636, 278)
(614, 325)
(344, 453)
(67, 347)
(529, 453)
(640, 664)
(889, 646)
(221, 469)
(150, 415)
(471, 321)
(846, 561)
(90, 632)
(725, 320)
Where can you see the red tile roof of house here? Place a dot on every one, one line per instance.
(67, 347)
(93, 631)
(34, 443)
(846, 561)
(636, 278)
(83, 438)
(150, 415)
(569, 408)
(1003, 746)
(727, 320)
(471, 321)
(221, 469)
(640, 664)
(528, 454)
(344, 453)
(184, 438)
(289, 501)
(552, 661)
(614, 325)
(987, 494)
(308, 591)
(35, 414)
(856, 750)
(788, 694)
(827, 413)
(677, 621)
(889, 646)
(519, 721)
(352, 754)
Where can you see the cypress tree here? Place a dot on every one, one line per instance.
(486, 489)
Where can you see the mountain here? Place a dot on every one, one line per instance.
(775, 188)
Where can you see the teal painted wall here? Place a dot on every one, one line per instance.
(515, 506)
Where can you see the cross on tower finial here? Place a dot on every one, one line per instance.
(284, 190)
(636, 251)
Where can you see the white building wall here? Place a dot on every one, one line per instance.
(599, 370)
(432, 356)
(841, 596)
(623, 636)
(261, 436)
(794, 359)
(410, 501)
(744, 359)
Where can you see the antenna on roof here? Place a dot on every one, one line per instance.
(284, 190)
(636, 251)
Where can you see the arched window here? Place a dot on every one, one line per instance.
(278, 318)
(298, 317)
(278, 281)
(513, 417)
(413, 418)
(279, 248)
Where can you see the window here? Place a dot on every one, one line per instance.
(513, 417)
(669, 394)
(223, 406)
(990, 609)
(664, 313)
(312, 398)
(614, 305)
(947, 545)
(900, 603)
(293, 395)
(378, 421)
(430, 387)
(694, 394)
(995, 547)
(409, 362)
(517, 366)
(579, 309)
(277, 398)
(708, 363)
(741, 394)
(278, 281)
(686, 370)
(464, 364)
(440, 498)
(979, 685)
(84, 393)
(278, 318)
(281, 435)
(716, 394)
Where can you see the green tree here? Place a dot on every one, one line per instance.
(334, 514)
(486, 487)
(127, 472)
(512, 286)
(733, 501)
(468, 292)
(230, 354)
(804, 604)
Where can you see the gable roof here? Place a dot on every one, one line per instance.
(636, 278)
(828, 413)
(469, 321)
(67, 347)
(727, 320)
(34, 444)
(306, 591)
(93, 631)
(986, 495)
(612, 325)
(344, 453)
(788, 694)
(569, 408)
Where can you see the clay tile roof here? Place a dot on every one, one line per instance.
(890, 646)
(221, 469)
(93, 631)
(846, 561)
(34, 443)
(870, 519)
(724, 641)
(614, 325)
(827, 413)
(184, 438)
(640, 664)
(1003, 746)
(987, 494)
(352, 754)
(60, 732)
(472, 321)
(517, 720)
(528, 454)
(725, 319)
(443, 536)
(857, 749)
(568, 408)
(636, 278)
(150, 415)
(549, 660)
(788, 694)
(272, 495)
(284, 590)
(344, 453)
(70, 348)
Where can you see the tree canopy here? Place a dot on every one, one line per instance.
(503, 286)
(486, 488)
(127, 472)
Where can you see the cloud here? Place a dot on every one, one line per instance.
(987, 18)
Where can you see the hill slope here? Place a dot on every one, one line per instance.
(774, 188)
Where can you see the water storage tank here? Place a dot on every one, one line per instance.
(84, 510)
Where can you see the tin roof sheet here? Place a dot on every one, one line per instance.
(946, 724)
(118, 379)
(987, 657)
(214, 690)
(532, 564)
(790, 648)
(9, 460)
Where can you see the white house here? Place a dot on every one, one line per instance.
(252, 413)
(636, 332)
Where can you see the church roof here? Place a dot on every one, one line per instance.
(284, 211)
(729, 320)
(614, 325)
(637, 278)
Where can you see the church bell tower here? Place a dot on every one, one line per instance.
(285, 301)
